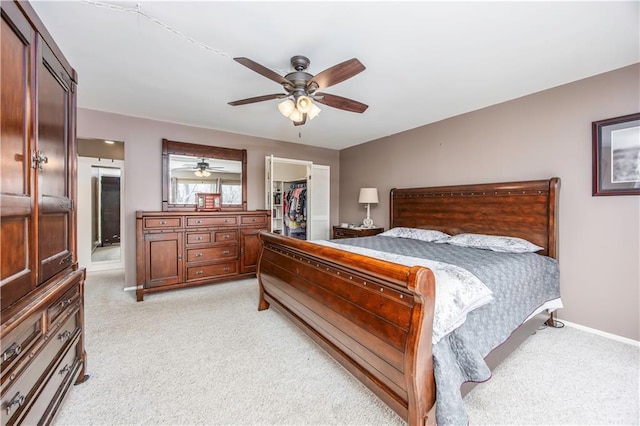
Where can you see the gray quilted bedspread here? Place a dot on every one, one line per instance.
(521, 283)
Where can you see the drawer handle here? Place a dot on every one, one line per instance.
(12, 350)
(198, 238)
(64, 370)
(64, 303)
(226, 236)
(226, 252)
(253, 220)
(226, 221)
(64, 336)
(198, 221)
(16, 400)
(163, 222)
(66, 259)
(199, 272)
(227, 269)
(198, 254)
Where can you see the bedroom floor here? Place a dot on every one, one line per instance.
(207, 356)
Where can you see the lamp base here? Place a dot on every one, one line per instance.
(367, 223)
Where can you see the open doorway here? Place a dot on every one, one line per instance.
(100, 204)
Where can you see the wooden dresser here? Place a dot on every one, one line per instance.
(41, 286)
(185, 249)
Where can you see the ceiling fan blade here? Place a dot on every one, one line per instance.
(340, 102)
(264, 71)
(258, 99)
(336, 74)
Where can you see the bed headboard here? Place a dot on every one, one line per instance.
(527, 209)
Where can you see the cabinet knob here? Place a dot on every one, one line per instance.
(16, 400)
(14, 349)
(226, 236)
(199, 272)
(226, 252)
(64, 370)
(198, 221)
(198, 238)
(64, 336)
(163, 222)
(198, 254)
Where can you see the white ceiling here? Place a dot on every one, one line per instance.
(426, 61)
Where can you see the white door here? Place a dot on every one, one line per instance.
(318, 203)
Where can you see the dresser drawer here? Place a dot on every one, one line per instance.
(225, 236)
(198, 237)
(212, 253)
(253, 220)
(211, 220)
(19, 342)
(162, 222)
(208, 271)
(70, 297)
(20, 389)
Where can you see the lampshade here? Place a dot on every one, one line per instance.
(286, 107)
(304, 104)
(313, 111)
(296, 115)
(368, 195)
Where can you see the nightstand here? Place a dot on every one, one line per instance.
(340, 232)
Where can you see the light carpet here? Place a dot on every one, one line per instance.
(207, 356)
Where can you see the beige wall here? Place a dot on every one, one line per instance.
(538, 136)
(143, 148)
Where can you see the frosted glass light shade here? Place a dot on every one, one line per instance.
(286, 107)
(368, 195)
(296, 115)
(304, 104)
(201, 173)
(313, 111)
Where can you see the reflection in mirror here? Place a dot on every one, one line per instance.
(105, 214)
(188, 169)
(189, 175)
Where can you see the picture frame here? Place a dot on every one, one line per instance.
(208, 202)
(616, 156)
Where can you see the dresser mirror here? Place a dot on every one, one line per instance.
(189, 169)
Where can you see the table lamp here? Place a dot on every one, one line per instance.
(368, 196)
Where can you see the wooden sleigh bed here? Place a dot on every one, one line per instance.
(376, 317)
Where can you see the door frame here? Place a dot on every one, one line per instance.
(84, 242)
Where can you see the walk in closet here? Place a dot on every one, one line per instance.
(297, 194)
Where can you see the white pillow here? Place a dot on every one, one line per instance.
(494, 243)
(428, 235)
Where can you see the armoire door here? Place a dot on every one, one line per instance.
(17, 222)
(55, 218)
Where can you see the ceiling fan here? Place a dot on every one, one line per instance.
(301, 88)
(201, 168)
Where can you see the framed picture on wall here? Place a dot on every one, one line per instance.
(616, 156)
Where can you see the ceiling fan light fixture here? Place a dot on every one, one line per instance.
(286, 107)
(202, 173)
(303, 103)
(296, 115)
(313, 111)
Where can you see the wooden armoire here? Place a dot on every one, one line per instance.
(41, 285)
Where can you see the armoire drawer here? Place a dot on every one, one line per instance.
(20, 389)
(17, 344)
(208, 271)
(61, 374)
(162, 222)
(64, 302)
(212, 253)
(211, 220)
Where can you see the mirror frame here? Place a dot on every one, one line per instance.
(192, 149)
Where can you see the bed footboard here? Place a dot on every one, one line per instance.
(373, 317)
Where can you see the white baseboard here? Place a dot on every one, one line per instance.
(130, 288)
(601, 333)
